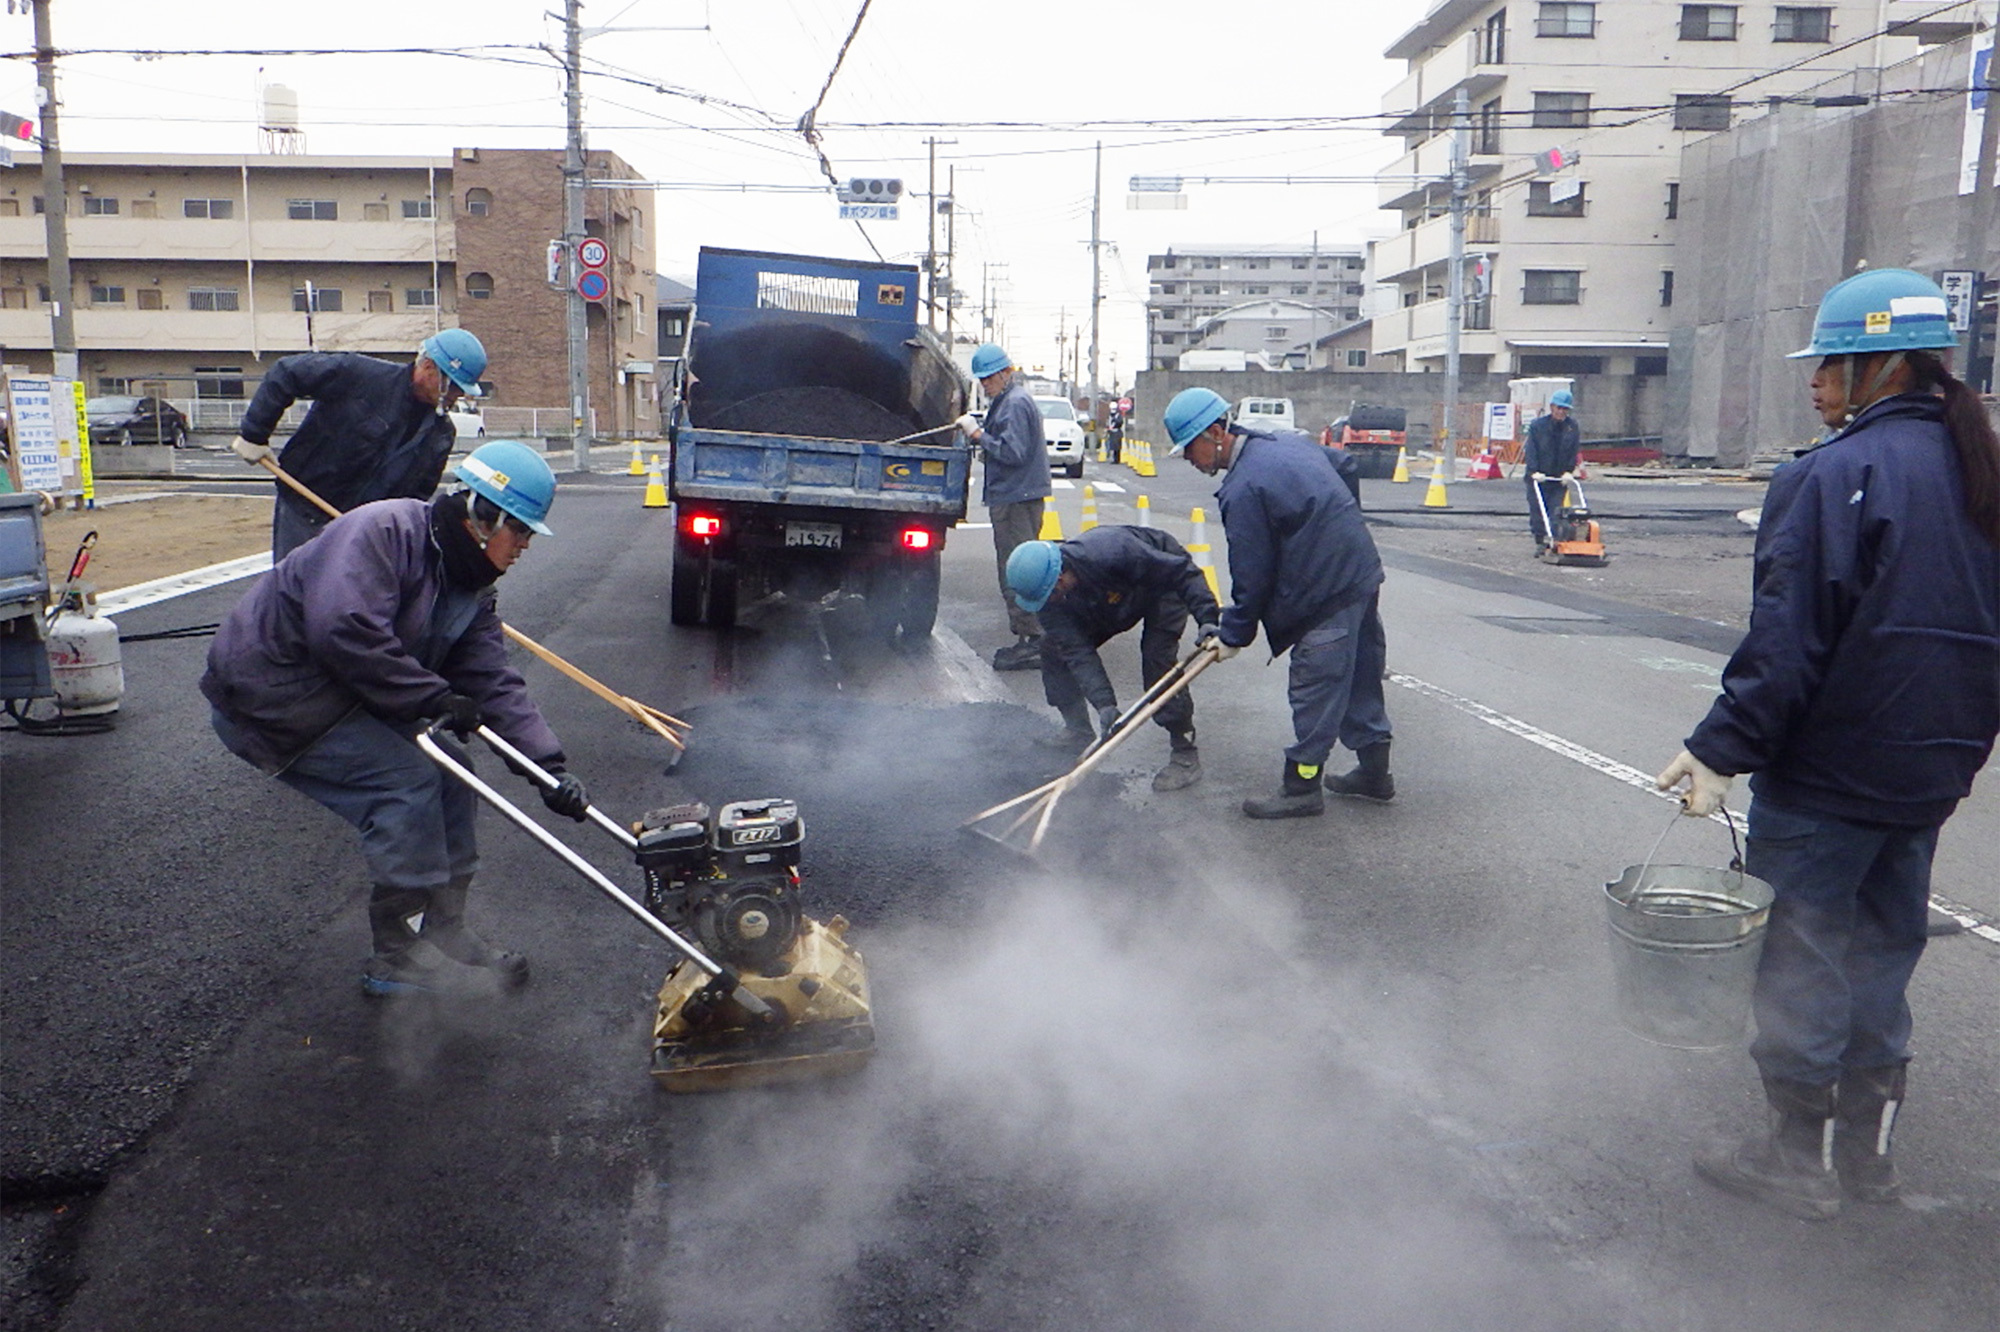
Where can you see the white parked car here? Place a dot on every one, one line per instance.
(468, 423)
(1064, 434)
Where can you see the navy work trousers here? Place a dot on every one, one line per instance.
(1847, 927)
(1336, 684)
(1159, 648)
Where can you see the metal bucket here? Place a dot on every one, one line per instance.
(1684, 947)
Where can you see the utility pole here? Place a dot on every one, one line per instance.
(1980, 217)
(55, 205)
(1062, 350)
(1454, 278)
(1096, 276)
(573, 234)
(930, 246)
(950, 250)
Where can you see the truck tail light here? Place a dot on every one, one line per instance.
(918, 538)
(704, 525)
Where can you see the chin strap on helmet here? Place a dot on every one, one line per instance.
(1858, 404)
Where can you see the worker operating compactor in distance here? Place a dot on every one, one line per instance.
(795, 472)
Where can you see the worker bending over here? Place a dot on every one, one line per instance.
(1302, 564)
(376, 430)
(322, 675)
(1088, 590)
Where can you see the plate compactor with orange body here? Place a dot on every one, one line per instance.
(763, 993)
(1574, 536)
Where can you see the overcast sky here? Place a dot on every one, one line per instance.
(738, 76)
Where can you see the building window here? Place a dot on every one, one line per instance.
(381, 302)
(41, 205)
(1649, 365)
(219, 381)
(1798, 23)
(1357, 357)
(1708, 23)
(212, 298)
(478, 202)
(1257, 289)
(312, 210)
(1701, 111)
(1666, 286)
(113, 385)
(1300, 289)
(326, 300)
(1169, 339)
(1552, 286)
(415, 209)
(101, 294)
(1209, 262)
(1486, 130)
(479, 286)
(1210, 289)
(1275, 331)
(1560, 365)
(1564, 20)
(1673, 200)
(1166, 261)
(96, 205)
(1301, 264)
(151, 298)
(1540, 204)
(420, 298)
(1561, 110)
(41, 293)
(1493, 39)
(1257, 263)
(217, 209)
(1170, 288)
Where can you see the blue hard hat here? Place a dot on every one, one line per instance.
(1191, 412)
(989, 358)
(1562, 398)
(1883, 309)
(1032, 571)
(514, 477)
(459, 355)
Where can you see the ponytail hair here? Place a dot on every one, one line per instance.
(1972, 436)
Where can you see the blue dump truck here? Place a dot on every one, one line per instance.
(795, 473)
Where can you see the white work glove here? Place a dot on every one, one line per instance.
(1537, 476)
(248, 452)
(1569, 476)
(969, 425)
(1706, 786)
(1211, 637)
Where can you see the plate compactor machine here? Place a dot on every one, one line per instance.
(763, 993)
(1574, 536)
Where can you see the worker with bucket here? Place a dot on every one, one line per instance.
(1864, 700)
(1093, 587)
(1301, 564)
(1550, 462)
(322, 674)
(376, 430)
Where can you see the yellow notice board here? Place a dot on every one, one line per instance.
(50, 445)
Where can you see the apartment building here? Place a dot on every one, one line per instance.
(1187, 292)
(1572, 271)
(190, 275)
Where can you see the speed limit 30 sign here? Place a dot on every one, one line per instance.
(592, 255)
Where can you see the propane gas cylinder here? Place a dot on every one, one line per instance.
(85, 664)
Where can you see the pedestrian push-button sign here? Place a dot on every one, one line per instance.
(592, 255)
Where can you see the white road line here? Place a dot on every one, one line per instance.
(1062, 483)
(1631, 776)
(1109, 487)
(972, 679)
(179, 585)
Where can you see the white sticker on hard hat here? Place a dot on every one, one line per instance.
(486, 472)
(1904, 306)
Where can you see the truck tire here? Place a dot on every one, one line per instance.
(703, 589)
(684, 597)
(918, 615)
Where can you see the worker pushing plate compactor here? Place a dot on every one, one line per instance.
(763, 993)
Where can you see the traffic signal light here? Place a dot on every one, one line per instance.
(15, 127)
(1553, 160)
(870, 190)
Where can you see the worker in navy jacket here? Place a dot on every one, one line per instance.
(1302, 565)
(1088, 590)
(1863, 700)
(1550, 461)
(324, 671)
(376, 430)
(1016, 454)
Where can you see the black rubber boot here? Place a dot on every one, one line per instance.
(1076, 734)
(445, 930)
(1369, 779)
(1023, 654)
(1183, 763)
(1790, 1167)
(1864, 1121)
(1298, 798)
(395, 916)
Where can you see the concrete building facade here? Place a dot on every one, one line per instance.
(190, 275)
(1572, 271)
(1188, 289)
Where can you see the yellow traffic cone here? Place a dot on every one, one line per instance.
(1089, 509)
(1434, 497)
(638, 467)
(656, 489)
(1402, 472)
(1198, 547)
(1145, 507)
(1051, 523)
(1146, 461)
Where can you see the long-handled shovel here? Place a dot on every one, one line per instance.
(668, 727)
(1040, 803)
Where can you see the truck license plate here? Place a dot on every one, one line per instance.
(823, 536)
